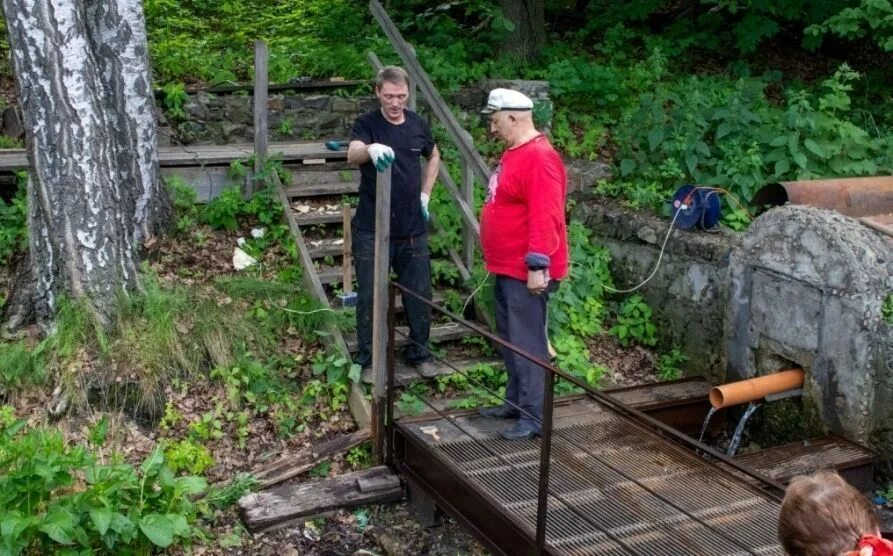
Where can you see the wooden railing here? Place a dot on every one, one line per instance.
(473, 166)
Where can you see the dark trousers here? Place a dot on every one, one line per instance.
(411, 262)
(521, 321)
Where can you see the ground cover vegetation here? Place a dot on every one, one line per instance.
(232, 366)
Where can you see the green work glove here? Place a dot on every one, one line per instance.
(382, 156)
(425, 199)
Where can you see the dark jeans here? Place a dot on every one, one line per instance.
(521, 321)
(411, 262)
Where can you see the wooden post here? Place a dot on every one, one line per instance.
(469, 239)
(260, 110)
(380, 311)
(346, 253)
(413, 91)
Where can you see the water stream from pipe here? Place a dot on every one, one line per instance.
(739, 430)
(706, 422)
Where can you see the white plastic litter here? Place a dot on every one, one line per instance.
(240, 242)
(242, 260)
(258, 232)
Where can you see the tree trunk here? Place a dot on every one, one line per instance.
(528, 16)
(93, 190)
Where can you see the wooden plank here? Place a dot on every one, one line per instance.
(438, 334)
(320, 189)
(313, 218)
(261, 127)
(324, 174)
(284, 505)
(320, 248)
(292, 465)
(380, 310)
(379, 482)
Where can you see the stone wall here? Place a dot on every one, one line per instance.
(292, 117)
(689, 291)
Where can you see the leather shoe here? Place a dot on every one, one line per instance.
(500, 412)
(427, 369)
(519, 432)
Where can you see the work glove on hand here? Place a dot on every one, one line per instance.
(537, 281)
(425, 199)
(382, 156)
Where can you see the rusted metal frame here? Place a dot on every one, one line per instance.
(380, 301)
(427, 88)
(507, 463)
(542, 503)
(392, 364)
(618, 406)
(469, 505)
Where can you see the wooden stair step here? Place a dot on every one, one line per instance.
(328, 247)
(280, 506)
(406, 374)
(301, 176)
(318, 189)
(313, 218)
(439, 333)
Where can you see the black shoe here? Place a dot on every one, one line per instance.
(519, 432)
(500, 412)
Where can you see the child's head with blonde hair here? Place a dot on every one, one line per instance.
(823, 515)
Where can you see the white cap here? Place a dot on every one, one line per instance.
(507, 99)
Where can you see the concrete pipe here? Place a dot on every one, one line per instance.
(756, 388)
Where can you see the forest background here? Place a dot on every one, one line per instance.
(728, 93)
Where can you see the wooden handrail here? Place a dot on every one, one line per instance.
(469, 153)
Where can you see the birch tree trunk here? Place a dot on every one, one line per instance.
(529, 18)
(94, 191)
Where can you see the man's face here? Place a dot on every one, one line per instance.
(502, 125)
(392, 97)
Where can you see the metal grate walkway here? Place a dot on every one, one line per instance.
(615, 487)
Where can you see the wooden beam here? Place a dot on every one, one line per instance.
(261, 57)
(427, 88)
(284, 505)
(380, 309)
(293, 465)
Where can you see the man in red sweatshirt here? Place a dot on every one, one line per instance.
(524, 240)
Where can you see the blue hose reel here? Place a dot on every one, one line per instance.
(695, 207)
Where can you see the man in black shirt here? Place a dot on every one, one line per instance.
(397, 137)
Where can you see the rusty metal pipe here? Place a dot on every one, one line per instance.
(849, 196)
(756, 388)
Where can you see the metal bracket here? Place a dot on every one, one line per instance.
(793, 393)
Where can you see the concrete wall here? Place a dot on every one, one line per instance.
(689, 291)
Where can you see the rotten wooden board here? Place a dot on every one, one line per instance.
(196, 155)
(284, 505)
(293, 465)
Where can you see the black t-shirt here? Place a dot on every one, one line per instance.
(410, 140)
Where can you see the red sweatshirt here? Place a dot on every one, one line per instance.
(523, 217)
(871, 545)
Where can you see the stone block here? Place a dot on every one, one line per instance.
(345, 105)
(317, 102)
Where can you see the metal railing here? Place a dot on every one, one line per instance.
(548, 431)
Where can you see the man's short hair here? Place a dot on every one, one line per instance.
(391, 74)
(822, 514)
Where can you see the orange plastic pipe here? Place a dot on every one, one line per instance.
(755, 388)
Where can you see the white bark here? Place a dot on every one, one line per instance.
(82, 76)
